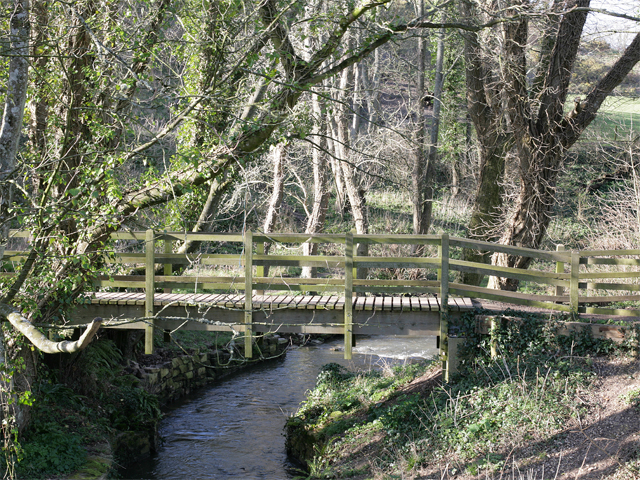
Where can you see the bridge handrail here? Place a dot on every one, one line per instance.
(566, 277)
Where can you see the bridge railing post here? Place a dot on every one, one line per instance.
(260, 268)
(444, 305)
(248, 293)
(348, 295)
(573, 284)
(149, 288)
(559, 269)
(168, 271)
(168, 267)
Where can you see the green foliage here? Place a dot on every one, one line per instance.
(633, 398)
(50, 450)
(85, 402)
(526, 394)
(132, 408)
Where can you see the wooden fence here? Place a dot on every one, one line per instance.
(557, 280)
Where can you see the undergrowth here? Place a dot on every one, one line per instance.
(493, 411)
(87, 400)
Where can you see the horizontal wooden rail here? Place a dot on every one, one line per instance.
(509, 249)
(548, 278)
(561, 272)
(609, 261)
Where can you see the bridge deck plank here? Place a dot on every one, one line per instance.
(434, 304)
(331, 304)
(313, 302)
(415, 304)
(216, 299)
(396, 303)
(322, 303)
(285, 301)
(302, 302)
(406, 303)
(453, 304)
(369, 303)
(424, 304)
(297, 302)
(237, 301)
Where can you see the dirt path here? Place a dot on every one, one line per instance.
(596, 445)
(599, 444)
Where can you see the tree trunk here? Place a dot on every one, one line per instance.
(422, 190)
(39, 104)
(315, 222)
(485, 111)
(10, 132)
(533, 211)
(279, 154)
(15, 98)
(356, 197)
(217, 189)
(336, 151)
(435, 128)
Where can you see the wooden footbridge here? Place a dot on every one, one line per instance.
(358, 284)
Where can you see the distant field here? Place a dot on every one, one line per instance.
(616, 118)
(621, 105)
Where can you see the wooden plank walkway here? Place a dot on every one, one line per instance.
(381, 315)
(299, 302)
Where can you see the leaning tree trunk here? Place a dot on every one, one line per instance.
(432, 151)
(487, 206)
(356, 198)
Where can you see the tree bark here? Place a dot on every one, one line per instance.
(338, 177)
(279, 154)
(541, 156)
(217, 189)
(435, 128)
(15, 98)
(485, 111)
(422, 189)
(315, 222)
(275, 202)
(41, 342)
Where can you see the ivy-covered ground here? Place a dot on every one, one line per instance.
(548, 407)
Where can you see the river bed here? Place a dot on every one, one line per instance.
(234, 428)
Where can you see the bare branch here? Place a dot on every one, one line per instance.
(41, 342)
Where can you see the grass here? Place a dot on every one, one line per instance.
(616, 118)
(494, 412)
(193, 340)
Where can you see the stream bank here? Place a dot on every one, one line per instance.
(563, 404)
(171, 375)
(234, 428)
(173, 372)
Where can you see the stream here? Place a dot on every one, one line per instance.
(234, 428)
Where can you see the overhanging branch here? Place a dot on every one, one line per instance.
(41, 342)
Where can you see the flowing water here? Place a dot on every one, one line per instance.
(234, 429)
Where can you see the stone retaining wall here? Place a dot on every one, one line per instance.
(183, 374)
